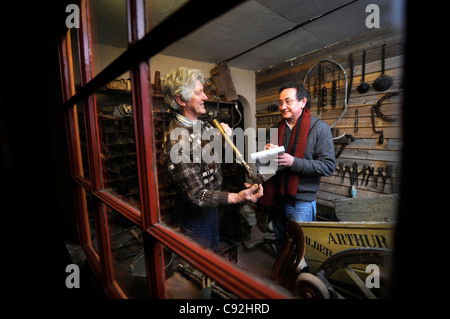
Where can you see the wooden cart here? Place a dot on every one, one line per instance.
(344, 253)
(341, 253)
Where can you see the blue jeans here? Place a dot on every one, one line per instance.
(203, 229)
(298, 211)
(301, 211)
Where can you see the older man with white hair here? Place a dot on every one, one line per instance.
(198, 182)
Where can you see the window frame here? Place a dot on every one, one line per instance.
(142, 46)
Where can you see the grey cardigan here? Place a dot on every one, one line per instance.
(318, 159)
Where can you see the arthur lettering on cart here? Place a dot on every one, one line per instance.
(309, 154)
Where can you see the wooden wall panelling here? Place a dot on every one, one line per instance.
(365, 149)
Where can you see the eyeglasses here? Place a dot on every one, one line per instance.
(288, 102)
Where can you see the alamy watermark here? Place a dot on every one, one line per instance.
(207, 146)
(373, 19)
(73, 19)
(373, 279)
(73, 279)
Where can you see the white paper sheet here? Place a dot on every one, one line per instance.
(267, 153)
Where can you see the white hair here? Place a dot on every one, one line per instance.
(180, 81)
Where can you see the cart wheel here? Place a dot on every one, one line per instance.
(344, 259)
(309, 286)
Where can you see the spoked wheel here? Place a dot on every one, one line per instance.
(309, 286)
(350, 266)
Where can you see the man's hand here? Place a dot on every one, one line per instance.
(269, 146)
(252, 193)
(226, 129)
(285, 159)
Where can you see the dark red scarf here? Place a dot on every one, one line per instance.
(287, 183)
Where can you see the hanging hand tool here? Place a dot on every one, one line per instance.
(325, 89)
(364, 86)
(364, 172)
(376, 109)
(375, 177)
(345, 170)
(383, 82)
(346, 95)
(349, 90)
(319, 99)
(371, 173)
(385, 176)
(384, 179)
(340, 169)
(372, 113)
(349, 170)
(334, 97)
(324, 98)
(356, 120)
(355, 173)
(334, 89)
(344, 140)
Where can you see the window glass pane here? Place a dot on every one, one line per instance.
(162, 116)
(91, 208)
(240, 240)
(80, 113)
(117, 140)
(231, 231)
(75, 58)
(108, 32)
(127, 255)
(159, 10)
(184, 281)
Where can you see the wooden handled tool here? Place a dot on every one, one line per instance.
(258, 179)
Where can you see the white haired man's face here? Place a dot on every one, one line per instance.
(195, 107)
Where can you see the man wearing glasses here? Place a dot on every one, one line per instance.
(308, 142)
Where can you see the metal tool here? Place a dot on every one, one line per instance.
(324, 98)
(350, 84)
(364, 172)
(343, 140)
(346, 88)
(340, 169)
(371, 173)
(375, 177)
(386, 176)
(349, 170)
(324, 89)
(364, 86)
(334, 92)
(372, 113)
(376, 109)
(355, 173)
(319, 99)
(383, 82)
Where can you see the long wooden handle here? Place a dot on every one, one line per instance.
(228, 140)
(239, 156)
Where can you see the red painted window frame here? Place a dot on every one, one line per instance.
(142, 46)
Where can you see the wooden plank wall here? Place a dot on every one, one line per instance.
(365, 149)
